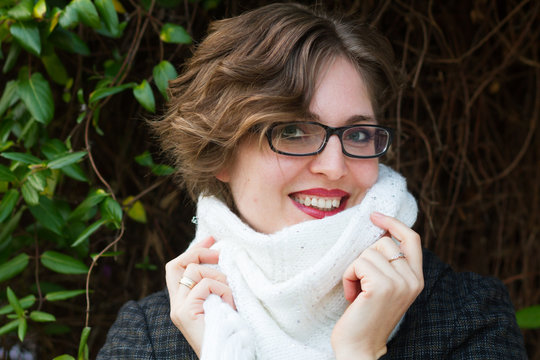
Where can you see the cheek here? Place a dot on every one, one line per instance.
(366, 175)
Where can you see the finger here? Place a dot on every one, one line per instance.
(390, 250)
(195, 273)
(380, 260)
(198, 272)
(198, 256)
(409, 240)
(209, 286)
(174, 269)
(361, 276)
(206, 243)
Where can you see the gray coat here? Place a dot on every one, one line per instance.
(457, 316)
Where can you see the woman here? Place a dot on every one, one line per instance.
(275, 129)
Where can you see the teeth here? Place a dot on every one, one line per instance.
(320, 203)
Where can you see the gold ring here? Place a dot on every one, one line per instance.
(187, 282)
(400, 255)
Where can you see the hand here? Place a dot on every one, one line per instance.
(380, 291)
(187, 311)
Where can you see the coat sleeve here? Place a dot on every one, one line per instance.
(485, 325)
(458, 316)
(144, 330)
(129, 337)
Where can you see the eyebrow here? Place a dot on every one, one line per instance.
(350, 121)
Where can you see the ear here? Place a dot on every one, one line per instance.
(223, 175)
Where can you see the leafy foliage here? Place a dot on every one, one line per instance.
(55, 202)
(86, 214)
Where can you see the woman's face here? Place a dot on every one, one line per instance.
(271, 190)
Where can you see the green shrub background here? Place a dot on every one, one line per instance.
(89, 215)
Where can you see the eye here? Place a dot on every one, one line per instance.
(288, 132)
(358, 135)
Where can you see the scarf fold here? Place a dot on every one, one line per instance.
(287, 286)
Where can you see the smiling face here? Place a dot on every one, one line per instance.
(272, 191)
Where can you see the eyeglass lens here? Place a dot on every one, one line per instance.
(307, 138)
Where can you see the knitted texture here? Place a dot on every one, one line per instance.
(287, 285)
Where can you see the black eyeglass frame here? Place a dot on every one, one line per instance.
(329, 132)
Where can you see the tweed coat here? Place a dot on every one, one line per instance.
(456, 316)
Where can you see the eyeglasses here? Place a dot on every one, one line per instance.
(304, 138)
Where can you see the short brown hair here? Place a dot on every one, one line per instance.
(255, 69)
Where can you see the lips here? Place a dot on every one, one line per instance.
(320, 203)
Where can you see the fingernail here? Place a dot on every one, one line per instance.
(377, 215)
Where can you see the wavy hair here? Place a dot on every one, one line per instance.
(255, 69)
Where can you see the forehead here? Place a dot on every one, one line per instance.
(341, 96)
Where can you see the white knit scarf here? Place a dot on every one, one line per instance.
(287, 286)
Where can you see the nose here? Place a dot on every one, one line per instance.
(331, 161)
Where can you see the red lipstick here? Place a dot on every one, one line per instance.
(316, 212)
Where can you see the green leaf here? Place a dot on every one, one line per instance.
(23, 326)
(66, 160)
(27, 35)
(144, 95)
(9, 327)
(162, 170)
(88, 231)
(14, 302)
(163, 72)
(25, 303)
(79, 10)
(39, 9)
(46, 213)
(136, 210)
(21, 157)
(69, 17)
(40, 316)
(144, 159)
(63, 295)
(117, 33)
(86, 12)
(74, 171)
(36, 94)
(13, 267)
(54, 148)
(63, 264)
(21, 11)
(93, 199)
(7, 228)
(68, 41)
(9, 96)
(64, 357)
(83, 347)
(6, 174)
(171, 33)
(8, 204)
(111, 210)
(37, 180)
(108, 91)
(30, 194)
(12, 57)
(54, 67)
(529, 317)
(108, 15)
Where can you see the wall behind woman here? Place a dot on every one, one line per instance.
(468, 145)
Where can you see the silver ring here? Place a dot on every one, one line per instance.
(400, 255)
(187, 282)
